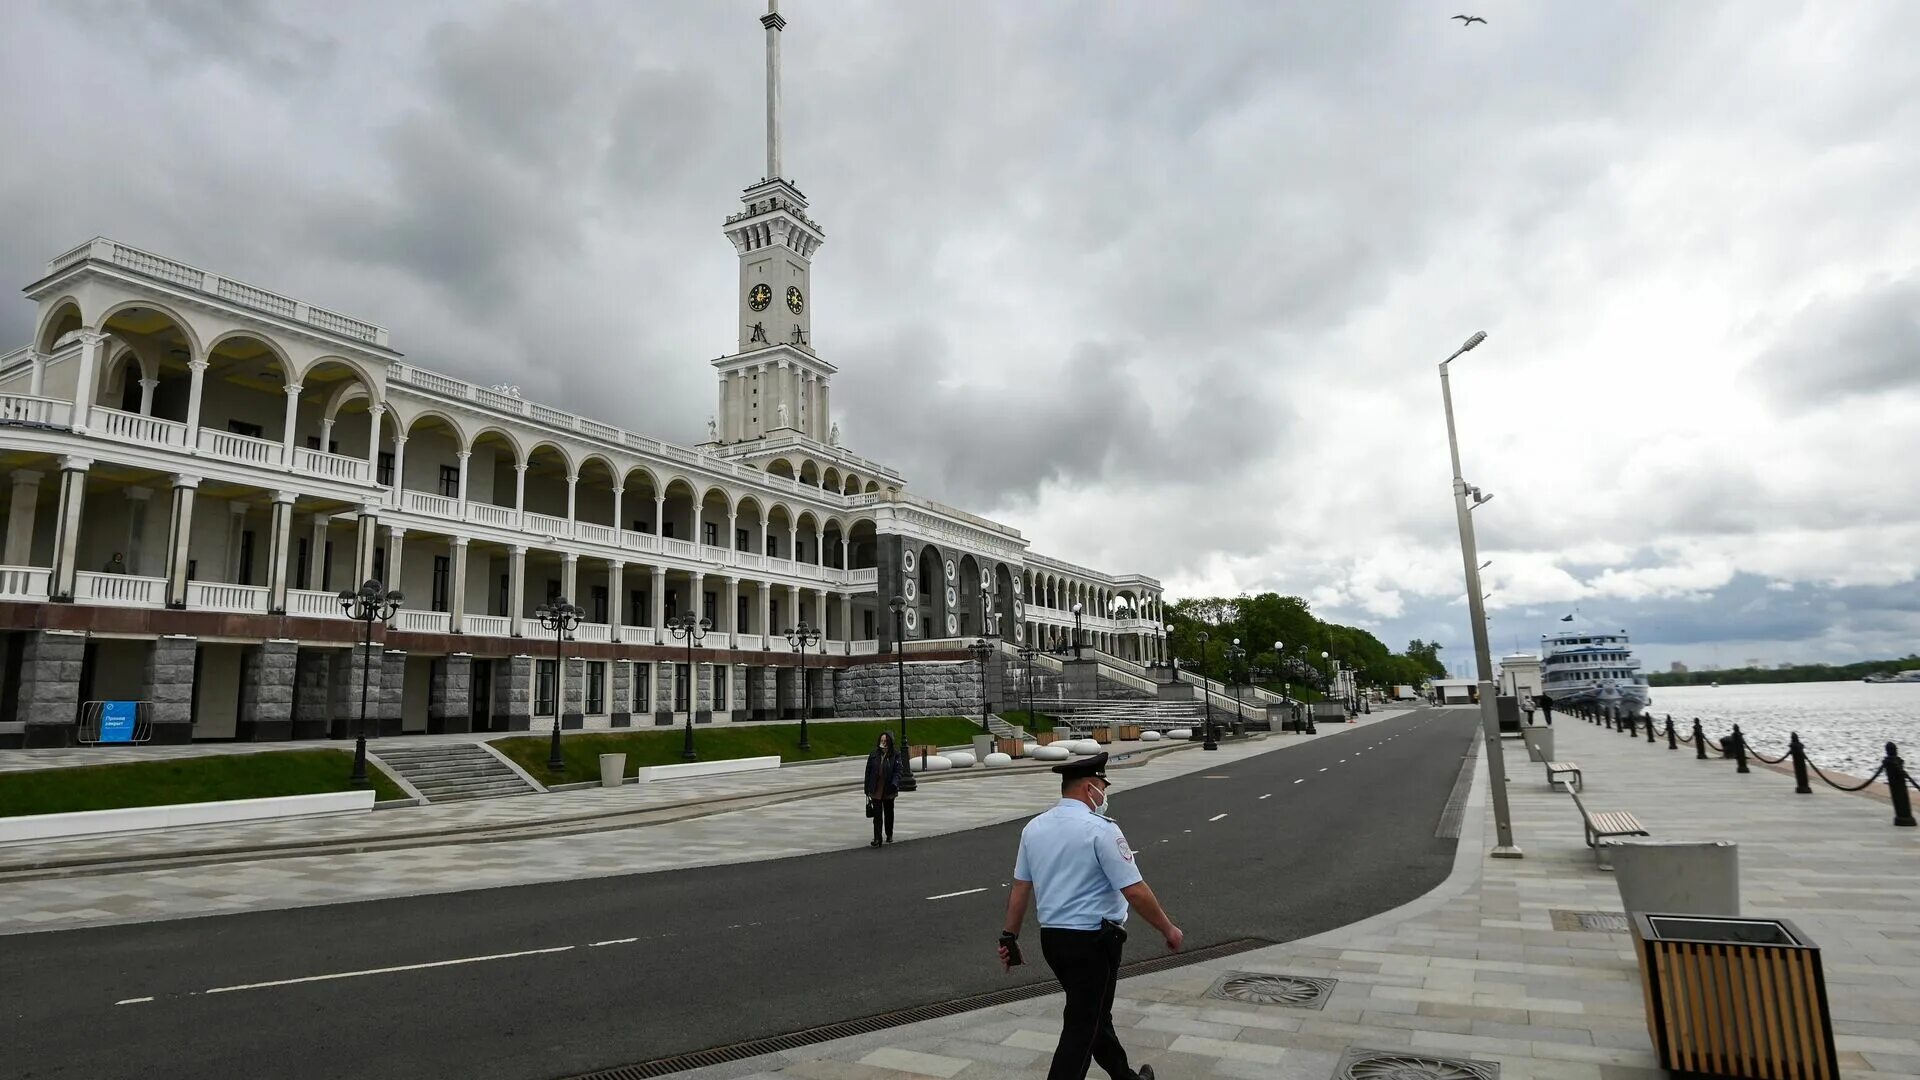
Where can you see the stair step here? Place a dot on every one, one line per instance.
(468, 781)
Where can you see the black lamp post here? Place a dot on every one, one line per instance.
(1206, 692)
(1076, 629)
(694, 630)
(560, 617)
(898, 605)
(982, 650)
(371, 604)
(800, 639)
(1235, 656)
(1027, 653)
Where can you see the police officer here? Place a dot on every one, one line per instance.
(1077, 866)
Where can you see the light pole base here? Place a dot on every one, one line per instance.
(1511, 851)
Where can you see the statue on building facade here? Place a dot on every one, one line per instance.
(713, 430)
(781, 414)
(833, 434)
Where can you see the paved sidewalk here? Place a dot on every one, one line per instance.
(806, 825)
(1478, 968)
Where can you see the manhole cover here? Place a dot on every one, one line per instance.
(1298, 991)
(1605, 922)
(1362, 1064)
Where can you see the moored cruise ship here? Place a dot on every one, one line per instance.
(1596, 670)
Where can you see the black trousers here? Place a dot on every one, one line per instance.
(884, 815)
(1087, 963)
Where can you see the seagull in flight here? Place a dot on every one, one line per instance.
(1469, 20)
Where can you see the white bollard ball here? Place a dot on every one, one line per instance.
(1151, 735)
(961, 759)
(1084, 747)
(1180, 733)
(1050, 752)
(1027, 749)
(996, 760)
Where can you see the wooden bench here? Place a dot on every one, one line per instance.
(1557, 770)
(1605, 824)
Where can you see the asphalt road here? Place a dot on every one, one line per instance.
(617, 970)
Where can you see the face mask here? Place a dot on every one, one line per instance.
(1105, 803)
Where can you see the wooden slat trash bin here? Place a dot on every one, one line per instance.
(1102, 735)
(1013, 748)
(1129, 732)
(1735, 997)
(1044, 738)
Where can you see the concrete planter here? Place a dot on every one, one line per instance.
(612, 766)
(138, 818)
(1539, 742)
(1682, 877)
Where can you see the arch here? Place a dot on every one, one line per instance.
(548, 467)
(780, 467)
(179, 321)
(725, 496)
(437, 415)
(62, 317)
(851, 485)
(165, 345)
(326, 390)
(652, 480)
(1003, 603)
(830, 479)
(863, 545)
(266, 343)
(973, 600)
(432, 462)
(516, 452)
(360, 370)
(807, 529)
(567, 466)
(871, 488)
(809, 473)
(833, 535)
(593, 490)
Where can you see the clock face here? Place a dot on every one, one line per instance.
(760, 296)
(795, 302)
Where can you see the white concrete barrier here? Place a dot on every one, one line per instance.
(996, 760)
(1084, 747)
(1027, 749)
(139, 818)
(961, 759)
(932, 763)
(1151, 735)
(1050, 752)
(655, 773)
(1180, 733)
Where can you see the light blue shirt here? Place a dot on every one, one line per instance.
(1078, 862)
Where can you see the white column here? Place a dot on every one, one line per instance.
(696, 538)
(570, 577)
(37, 381)
(195, 389)
(279, 542)
(520, 494)
(463, 456)
(326, 435)
(659, 515)
(619, 523)
(659, 604)
(147, 387)
(573, 489)
(317, 555)
(20, 517)
(66, 534)
(516, 587)
(399, 465)
(83, 388)
(765, 590)
(846, 621)
(819, 543)
(793, 537)
(374, 413)
(820, 611)
(846, 553)
(396, 545)
(364, 539)
(457, 588)
(793, 607)
(763, 530)
(179, 531)
(616, 597)
(733, 525)
(824, 418)
(291, 423)
(733, 611)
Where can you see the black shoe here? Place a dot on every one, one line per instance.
(889, 838)
(1145, 1073)
(876, 843)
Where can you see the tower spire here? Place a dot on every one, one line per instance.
(774, 24)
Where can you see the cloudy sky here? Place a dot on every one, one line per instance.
(1162, 284)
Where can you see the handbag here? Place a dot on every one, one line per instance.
(872, 810)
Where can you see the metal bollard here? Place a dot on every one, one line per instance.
(1897, 787)
(1740, 750)
(1673, 740)
(1799, 752)
(1649, 727)
(1606, 717)
(1726, 742)
(1699, 740)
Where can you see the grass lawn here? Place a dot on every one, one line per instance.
(661, 746)
(1034, 722)
(184, 780)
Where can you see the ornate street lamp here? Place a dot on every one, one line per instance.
(1076, 629)
(982, 650)
(800, 639)
(1027, 653)
(1235, 656)
(558, 617)
(371, 604)
(1206, 692)
(898, 605)
(694, 630)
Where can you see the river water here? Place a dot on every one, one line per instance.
(1845, 725)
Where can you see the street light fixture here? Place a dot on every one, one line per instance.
(1206, 692)
(559, 617)
(1027, 653)
(898, 605)
(1477, 615)
(692, 629)
(1076, 629)
(1235, 655)
(981, 650)
(371, 604)
(800, 639)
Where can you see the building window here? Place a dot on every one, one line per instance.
(241, 427)
(302, 565)
(553, 589)
(710, 607)
(800, 551)
(380, 564)
(740, 613)
(543, 687)
(866, 626)
(719, 686)
(596, 688)
(385, 471)
(666, 529)
(326, 567)
(246, 557)
(773, 615)
(642, 674)
(450, 481)
(673, 603)
(710, 533)
(505, 606)
(679, 688)
(773, 546)
(597, 606)
(739, 539)
(637, 607)
(442, 579)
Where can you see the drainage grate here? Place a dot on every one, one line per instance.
(1359, 1063)
(1297, 991)
(1454, 812)
(1605, 922)
(752, 1048)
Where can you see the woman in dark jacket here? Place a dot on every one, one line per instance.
(884, 767)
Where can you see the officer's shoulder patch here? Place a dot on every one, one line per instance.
(1125, 851)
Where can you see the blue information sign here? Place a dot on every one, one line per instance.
(116, 720)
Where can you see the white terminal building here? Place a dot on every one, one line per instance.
(197, 466)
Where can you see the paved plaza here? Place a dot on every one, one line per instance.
(1476, 969)
(818, 808)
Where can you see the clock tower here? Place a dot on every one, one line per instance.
(775, 384)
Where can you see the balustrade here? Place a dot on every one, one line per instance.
(133, 427)
(593, 631)
(487, 625)
(422, 622)
(119, 590)
(242, 448)
(639, 541)
(215, 596)
(330, 466)
(27, 409)
(548, 525)
(421, 502)
(502, 517)
(599, 534)
(313, 604)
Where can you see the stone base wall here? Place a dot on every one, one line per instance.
(513, 691)
(390, 688)
(450, 697)
(267, 677)
(312, 672)
(50, 687)
(934, 688)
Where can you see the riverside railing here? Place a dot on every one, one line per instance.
(1734, 745)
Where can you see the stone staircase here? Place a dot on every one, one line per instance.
(451, 772)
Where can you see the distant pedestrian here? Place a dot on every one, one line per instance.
(1076, 867)
(1526, 705)
(884, 766)
(1546, 708)
(115, 565)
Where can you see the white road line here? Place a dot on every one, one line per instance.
(1269, 794)
(134, 1001)
(1303, 779)
(1215, 818)
(615, 941)
(388, 970)
(962, 892)
(1323, 770)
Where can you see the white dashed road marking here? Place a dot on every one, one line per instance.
(1216, 817)
(388, 970)
(615, 941)
(962, 892)
(1269, 794)
(1303, 779)
(134, 1001)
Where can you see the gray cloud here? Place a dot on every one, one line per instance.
(1862, 343)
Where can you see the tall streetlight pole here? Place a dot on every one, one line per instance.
(1477, 615)
(981, 650)
(1235, 655)
(1076, 630)
(800, 639)
(1206, 694)
(371, 604)
(899, 607)
(560, 617)
(1027, 653)
(693, 630)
